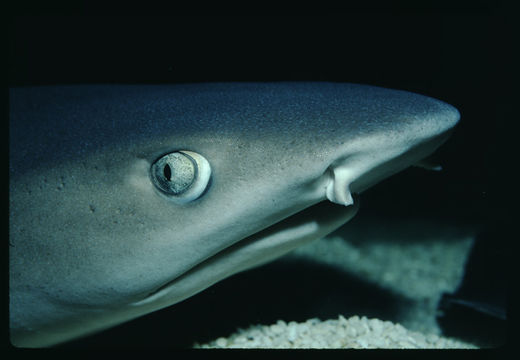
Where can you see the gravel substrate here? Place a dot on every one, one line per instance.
(355, 333)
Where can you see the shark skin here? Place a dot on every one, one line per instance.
(95, 237)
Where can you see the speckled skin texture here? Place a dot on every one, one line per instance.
(90, 237)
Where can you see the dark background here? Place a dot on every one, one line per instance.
(460, 54)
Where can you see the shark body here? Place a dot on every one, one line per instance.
(125, 199)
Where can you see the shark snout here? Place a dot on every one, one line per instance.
(373, 158)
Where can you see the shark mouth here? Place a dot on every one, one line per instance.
(268, 244)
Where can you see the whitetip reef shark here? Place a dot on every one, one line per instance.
(125, 199)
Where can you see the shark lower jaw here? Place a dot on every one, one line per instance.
(268, 244)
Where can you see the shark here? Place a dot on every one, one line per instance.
(125, 199)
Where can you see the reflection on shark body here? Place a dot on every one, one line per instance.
(127, 199)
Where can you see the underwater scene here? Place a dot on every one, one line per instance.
(333, 181)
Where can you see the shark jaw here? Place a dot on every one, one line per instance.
(268, 244)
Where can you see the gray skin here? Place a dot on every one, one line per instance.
(92, 241)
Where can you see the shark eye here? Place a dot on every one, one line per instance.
(182, 175)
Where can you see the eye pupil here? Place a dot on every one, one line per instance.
(167, 171)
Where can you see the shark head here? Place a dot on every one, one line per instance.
(127, 199)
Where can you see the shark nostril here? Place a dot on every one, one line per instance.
(338, 188)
